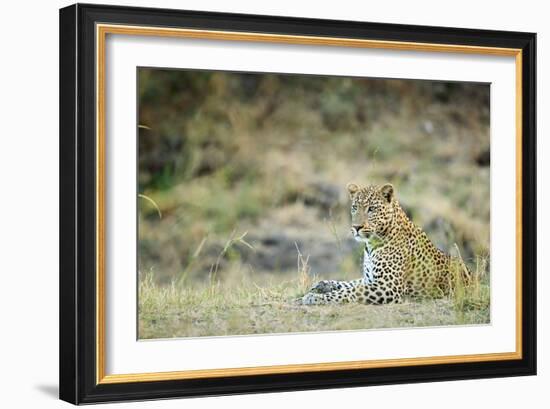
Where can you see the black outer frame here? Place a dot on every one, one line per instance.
(78, 211)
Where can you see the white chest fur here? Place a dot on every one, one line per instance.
(368, 266)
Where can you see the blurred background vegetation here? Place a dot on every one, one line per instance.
(247, 169)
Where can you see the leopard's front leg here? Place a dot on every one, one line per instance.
(339, 292)
(326, 286)
(333, 292)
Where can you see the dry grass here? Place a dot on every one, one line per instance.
(239, 306)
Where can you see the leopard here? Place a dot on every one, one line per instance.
(399, 259)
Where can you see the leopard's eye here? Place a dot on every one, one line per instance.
(370, 209)
(354, 208)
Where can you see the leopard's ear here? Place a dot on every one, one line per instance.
(387, 191)
(352, 189)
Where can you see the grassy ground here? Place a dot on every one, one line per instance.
(243, 307)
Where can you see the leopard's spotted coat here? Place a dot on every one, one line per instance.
(399, 259)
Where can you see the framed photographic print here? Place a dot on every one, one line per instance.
(257, 203)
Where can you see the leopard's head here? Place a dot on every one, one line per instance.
(372, 210)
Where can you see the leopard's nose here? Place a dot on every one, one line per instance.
(355, 228)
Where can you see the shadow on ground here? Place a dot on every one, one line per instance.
(50, 390)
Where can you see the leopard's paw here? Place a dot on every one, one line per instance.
(324, 286)
(311, 299)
